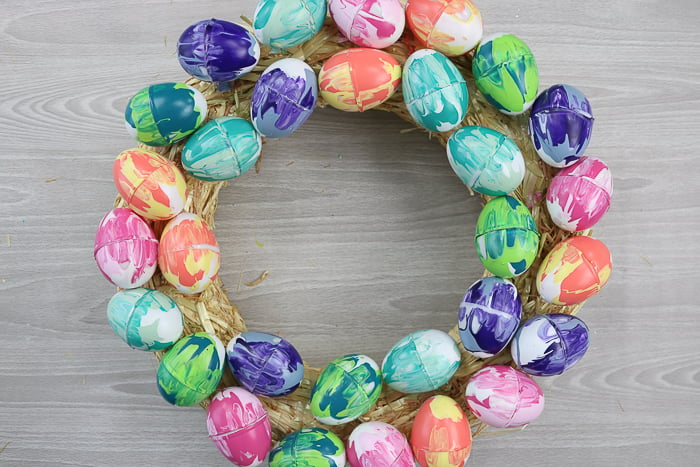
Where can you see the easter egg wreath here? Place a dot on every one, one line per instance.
(429, 63)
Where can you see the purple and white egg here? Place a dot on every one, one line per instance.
(378, 444)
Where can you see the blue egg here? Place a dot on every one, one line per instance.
(265, 364)
(285, 23)
(489, 315)
(283, 98)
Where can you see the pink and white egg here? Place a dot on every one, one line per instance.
(378, 444)
(369, 23)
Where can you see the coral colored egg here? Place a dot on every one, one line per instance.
(434, 91)
(440, 436)
(489, 315)
(579, 195)
(188, 256)
(420, 362)
(126, 249)
(359, 79)
(504, 397)
(313, 447)
(574, 270)
(239, 426)
(378, 444)
(548, 345)
(369, 23)
(452, 27)
(151, 185)
(281, 24)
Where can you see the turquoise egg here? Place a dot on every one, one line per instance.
(285, 23)
(191, 370)
(434, 91)
(223, 149)
(145, 319)
(346, 389)
(420, 362)
(485, 160)
(309, 447)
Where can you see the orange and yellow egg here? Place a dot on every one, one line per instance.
(441, 436)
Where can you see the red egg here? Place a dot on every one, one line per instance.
(441, 436)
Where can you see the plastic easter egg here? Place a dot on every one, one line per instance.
(313, 447)
(151, 185)
(485, 160)
(452, 27)
(440, 436)
(548, 345)
(191, 370)
(284, 98)
(574, 270)
(265, 364)
(163, 114)
(489, 315)
(504, 397)
(285, 23)
(346, 389)
(188, 256)
(223, 149)
(126, 249)
(561, 123)
(145, 319)
(579, 195)
(369, 23)
(506, 73)
(239, 426)
(378, 444)
(420, 362)
(346, 89)
(506, 237)
(434, 91)
(217, 50)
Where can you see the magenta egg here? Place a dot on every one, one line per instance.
(369, 23)
(380, 445)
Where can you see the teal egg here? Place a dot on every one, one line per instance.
(506, 237)
(420, 362)
(223, 149)
(434, 91)
(145, 319)
(346, 389)
(309, 447)
(485, 160)
(191, 370)
(285, 23)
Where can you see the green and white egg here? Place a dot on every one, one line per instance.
(309, 447)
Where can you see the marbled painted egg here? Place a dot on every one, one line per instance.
(265, 364)
(344, 88)
(285, 23)
(217, 50)
(188, 255)
(485, 160)
(504, 397)
(489, 315)
(574, 270)
(223, 149)
(452, 27)
(440, 436)
(126, 249)
(151, 185)
(548, 345)
(145, 319)
(369, 23)
(434, 91)
(561, 123)
(239, 426)
(309, 447)
(346, 389)
(506, 73)
(579, 195)
(165, 113)
(420, 362)
(506, 237)
(191, 370)
(284, 98)
(378, 444)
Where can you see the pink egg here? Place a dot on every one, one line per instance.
(504, 397)
(239, 426)
(579, 195)
(369, 23)
(126, 250)
(378, 444)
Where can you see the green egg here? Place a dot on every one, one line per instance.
(309, 447)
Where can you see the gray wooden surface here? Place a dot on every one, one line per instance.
(366, 234)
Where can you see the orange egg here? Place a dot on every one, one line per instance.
(441, 436)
